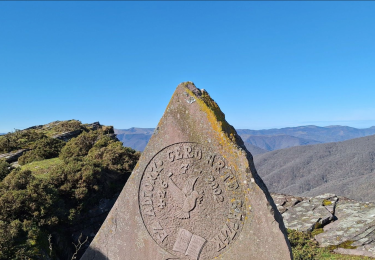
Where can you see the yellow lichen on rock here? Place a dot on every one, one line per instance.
(226, 134)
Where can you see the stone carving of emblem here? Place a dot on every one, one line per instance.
(184, 199)
(191, 202)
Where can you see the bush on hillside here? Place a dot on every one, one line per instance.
(18, 140)
(112, 155)
(44, 148)
(4, 169)
(94, 167)
(27, 205)
(67, 126)
(304, 247)
(79, 147)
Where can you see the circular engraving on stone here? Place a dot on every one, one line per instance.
(191, 202)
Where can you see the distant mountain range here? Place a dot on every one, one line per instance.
(136, 138)
(275, 142)
(274, 139)
(262, 141)
(344, 168)
(303, 161)
(254, 150)
(326, 134)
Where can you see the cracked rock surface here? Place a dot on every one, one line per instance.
(348, 225)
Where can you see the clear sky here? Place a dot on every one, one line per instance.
(267, 64)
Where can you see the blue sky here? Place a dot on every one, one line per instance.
(267, 64)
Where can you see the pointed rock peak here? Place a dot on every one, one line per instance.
(191, 86)
(206, 100)
(198, 195)
(224, 132)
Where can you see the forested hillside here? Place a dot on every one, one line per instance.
(343, 168)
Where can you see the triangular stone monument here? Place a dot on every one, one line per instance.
(194, 194)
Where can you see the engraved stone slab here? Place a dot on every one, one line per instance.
(194, 194)
(186, 185)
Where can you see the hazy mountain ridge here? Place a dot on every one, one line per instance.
(345, 168)
(271, 143)
(135, 137)
(136, 130)
(254, 150)
(326, 134)
(262, 141)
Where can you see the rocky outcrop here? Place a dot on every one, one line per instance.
(344, 225)
(13, 156)
(34, 127)
(94, 126)
(68, 135)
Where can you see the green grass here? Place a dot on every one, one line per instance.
(42, 168)
(327, 255)
(304, 247)
(317, 231)
(50, 132)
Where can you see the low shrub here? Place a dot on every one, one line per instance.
(44, 148)
(4, 169)
(304, 247)
(79, 146)
(67, 126)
